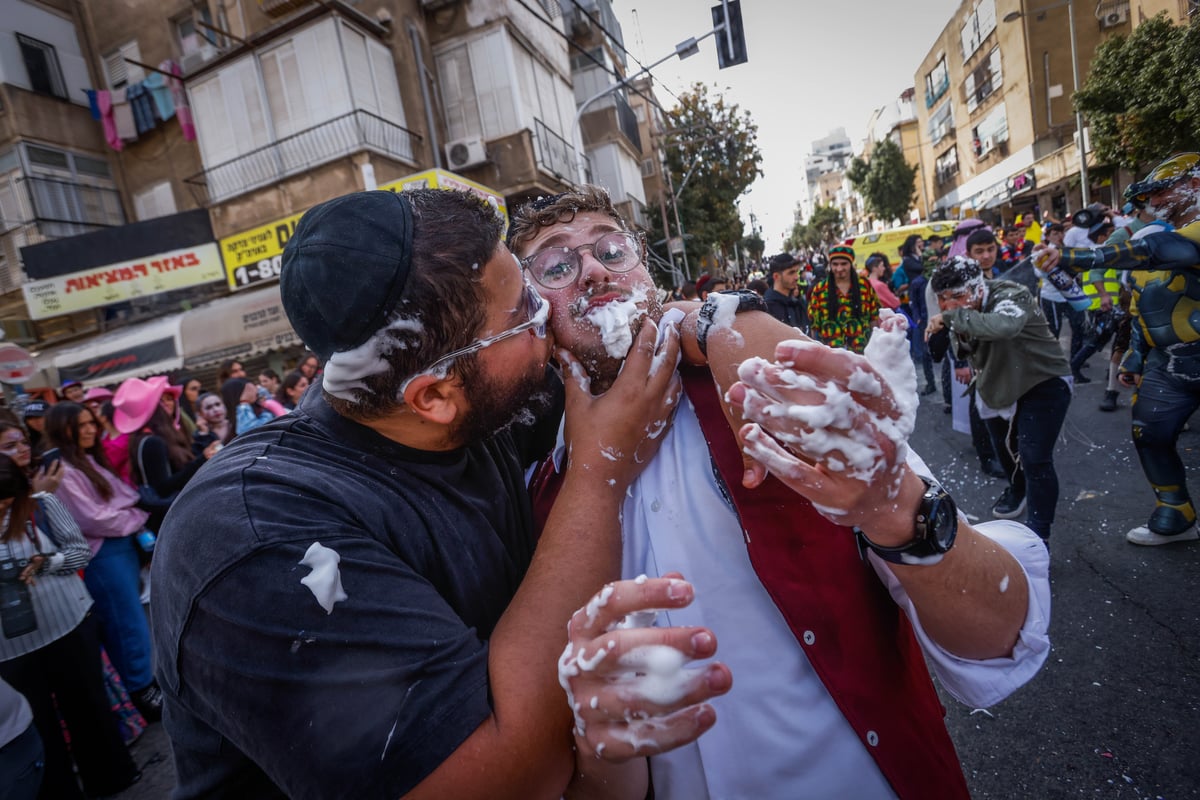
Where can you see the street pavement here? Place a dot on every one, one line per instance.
(1114, 712)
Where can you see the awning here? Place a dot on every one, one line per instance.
(150, 348)
(998, 200)
(236, 327)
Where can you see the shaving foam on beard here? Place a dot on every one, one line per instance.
(615, 321)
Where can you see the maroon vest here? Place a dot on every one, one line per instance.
(857, 639)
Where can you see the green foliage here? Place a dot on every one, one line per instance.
(886, 182)
(1142, 94)
(753, 245)
(823, 228)
(714, 145)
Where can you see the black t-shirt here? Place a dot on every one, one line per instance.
(266, 693)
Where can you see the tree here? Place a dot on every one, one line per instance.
(753, 245)
(712, 153)
(1142, 94)
(887, 182)
(824, 228)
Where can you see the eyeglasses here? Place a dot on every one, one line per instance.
(557, 267)
(536, 307)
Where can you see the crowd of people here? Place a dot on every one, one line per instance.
(360, 590)
(85, 484)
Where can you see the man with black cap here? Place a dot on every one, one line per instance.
(782, 301)
(351, 602)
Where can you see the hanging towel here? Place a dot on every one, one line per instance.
(104, 104)
(182, 110)
(92, 104)
(143, 108)
(164, 103)
(123, 114)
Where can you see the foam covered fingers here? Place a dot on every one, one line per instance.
(638, 738)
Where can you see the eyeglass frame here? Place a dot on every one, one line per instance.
(639, 241)
(537, 322)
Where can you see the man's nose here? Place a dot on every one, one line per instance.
(591, 269)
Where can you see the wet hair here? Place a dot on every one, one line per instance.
(528, 220)
(957, 273)
(982, 236)
(62, 429)
(15, 484)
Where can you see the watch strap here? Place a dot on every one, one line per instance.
(717, 305)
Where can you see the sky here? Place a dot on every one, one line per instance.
(813, 66)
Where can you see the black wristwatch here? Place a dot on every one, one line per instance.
(936, 527)
(746, 301)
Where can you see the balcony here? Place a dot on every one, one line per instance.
(63, 208)
(554, 154)
(627, 122)
(350, 133)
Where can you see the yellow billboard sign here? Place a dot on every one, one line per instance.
(253, 257)
(114, 283)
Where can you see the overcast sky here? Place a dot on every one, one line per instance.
(813, 66)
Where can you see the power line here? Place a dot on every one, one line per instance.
(621, 45)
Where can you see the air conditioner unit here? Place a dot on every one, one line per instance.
(987, 144)
(1112, 15)
(466, 153)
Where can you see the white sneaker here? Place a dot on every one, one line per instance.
(1144, 536)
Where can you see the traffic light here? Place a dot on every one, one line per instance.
(731, 38)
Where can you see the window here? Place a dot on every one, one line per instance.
(992, 131)
(937, 81)
(191, 35)
(477, 87)
(65, 193)
(941, 122)
(373, 76)
(984, 80)
(41, 63)
(117, 68)
(980, 23)
(946, 166)
(229, 108)
(157, 201)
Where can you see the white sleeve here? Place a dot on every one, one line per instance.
(980, 684)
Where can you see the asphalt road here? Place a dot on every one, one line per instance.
(1115, 712)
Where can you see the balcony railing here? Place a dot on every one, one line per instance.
(554, 154)
(350, 133)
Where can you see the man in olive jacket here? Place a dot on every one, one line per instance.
(1022, 381)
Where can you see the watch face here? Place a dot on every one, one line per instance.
(944, 524)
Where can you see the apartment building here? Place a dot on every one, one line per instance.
(994, 105)
(609, 126)
(896, 121)
(55, 178)
(828, 155)
(270, 107)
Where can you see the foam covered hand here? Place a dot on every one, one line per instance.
(628, 685)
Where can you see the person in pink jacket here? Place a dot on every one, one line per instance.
(105, 507)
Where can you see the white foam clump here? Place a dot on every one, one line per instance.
(325, 580)
(835, 425)
(724, 315)
(614, 319)
(345, 371)
(656, 674)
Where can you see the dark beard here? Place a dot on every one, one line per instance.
(499, 403)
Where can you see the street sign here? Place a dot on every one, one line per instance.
(16, 366)
(731, 37)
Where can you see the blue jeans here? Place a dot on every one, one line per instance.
(1030, 436)
(112, 579)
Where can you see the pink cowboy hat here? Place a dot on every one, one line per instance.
(97, 393)
(136, 399)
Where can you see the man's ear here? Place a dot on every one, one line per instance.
(437, 400)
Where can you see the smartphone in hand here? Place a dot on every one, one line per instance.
(49, 457)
